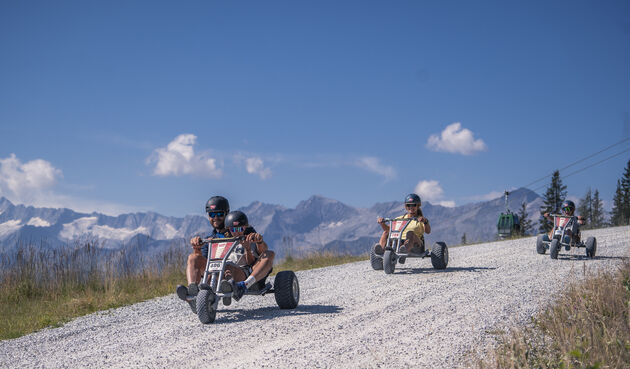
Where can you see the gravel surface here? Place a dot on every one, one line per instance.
(349, 316)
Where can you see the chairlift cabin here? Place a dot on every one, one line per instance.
(508, 224)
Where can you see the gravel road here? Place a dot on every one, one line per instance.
(349, 316)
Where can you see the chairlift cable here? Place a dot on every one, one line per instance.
(587, 167)
(579, 161)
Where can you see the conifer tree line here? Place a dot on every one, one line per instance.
(590, 207)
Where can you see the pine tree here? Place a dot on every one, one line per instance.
(552, 201)
(616, 216)
(464, 239)
(598, 219)
(585, 208)
(526, 224)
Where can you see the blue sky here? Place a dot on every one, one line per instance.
(156, 105)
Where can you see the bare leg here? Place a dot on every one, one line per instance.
(194, 268)
(233, 272)
(383, 240)
(263, 266)
(414, 242)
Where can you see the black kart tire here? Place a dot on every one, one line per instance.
(591, 247)
(439, 255)
(287, 290)
(389, 261)
(540, 245)
(375, 260)
(205, 306)
(554, 248)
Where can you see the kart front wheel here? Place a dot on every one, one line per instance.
(554, 247)
(540, 245)
(205, 306)
(287, 290)
(439, 255)
(375, 260)
(389, 261)
(591, 247)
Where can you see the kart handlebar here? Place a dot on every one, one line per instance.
(389, 220)
(227, 239)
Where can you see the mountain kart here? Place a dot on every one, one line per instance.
(564, 233)
(230, 251)
(392, 253)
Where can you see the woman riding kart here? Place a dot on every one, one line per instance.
(217, 208)
(258, 259)
(414, 235)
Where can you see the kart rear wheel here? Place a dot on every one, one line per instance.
(554, 247)
(439, 255)
(205, 306)
(540, 245)
(389, 261)
(287, 290)
(591, 247)
(376, 260)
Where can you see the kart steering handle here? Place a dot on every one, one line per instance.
(227, 239)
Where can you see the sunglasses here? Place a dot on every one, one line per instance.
(237, 229)
(567, 209)
(216, 214)
(411, 205)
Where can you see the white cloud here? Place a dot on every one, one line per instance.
(457, 140)
(255, 165)
(487, 197)
(34, 182)
(20, 181)
(179, 158)
(433, 192)
(9, 227)
(374, 165)
(447, 204)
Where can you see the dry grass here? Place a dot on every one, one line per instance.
(588, 327)
(42, 287)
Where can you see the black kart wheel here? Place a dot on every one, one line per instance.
(591, 247)
(205, 306)
(287, 290)
(439, 255)
(389, 261)
(376, 260)
(554, 248)
(540, 245)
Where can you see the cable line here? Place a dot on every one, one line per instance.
(588, 166)
(579, 161)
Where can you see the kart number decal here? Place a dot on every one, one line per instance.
(215, 266)
(395, 234)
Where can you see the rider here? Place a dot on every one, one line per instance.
(414, 235)
(258, 258)
(217, 208)
(567, 209)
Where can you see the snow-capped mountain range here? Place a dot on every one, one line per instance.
(316, 224)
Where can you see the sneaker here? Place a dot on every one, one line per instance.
(193, 290)
(182, 292)
(378, 249)
(239, 290)
(225, 286)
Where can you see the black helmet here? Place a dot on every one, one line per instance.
(568, 207)
(412, 198)
(217, 203)
(236, 219)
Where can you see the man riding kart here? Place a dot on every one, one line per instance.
(568, 209)
(217, 207)
(414, 235)
(258, 259)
